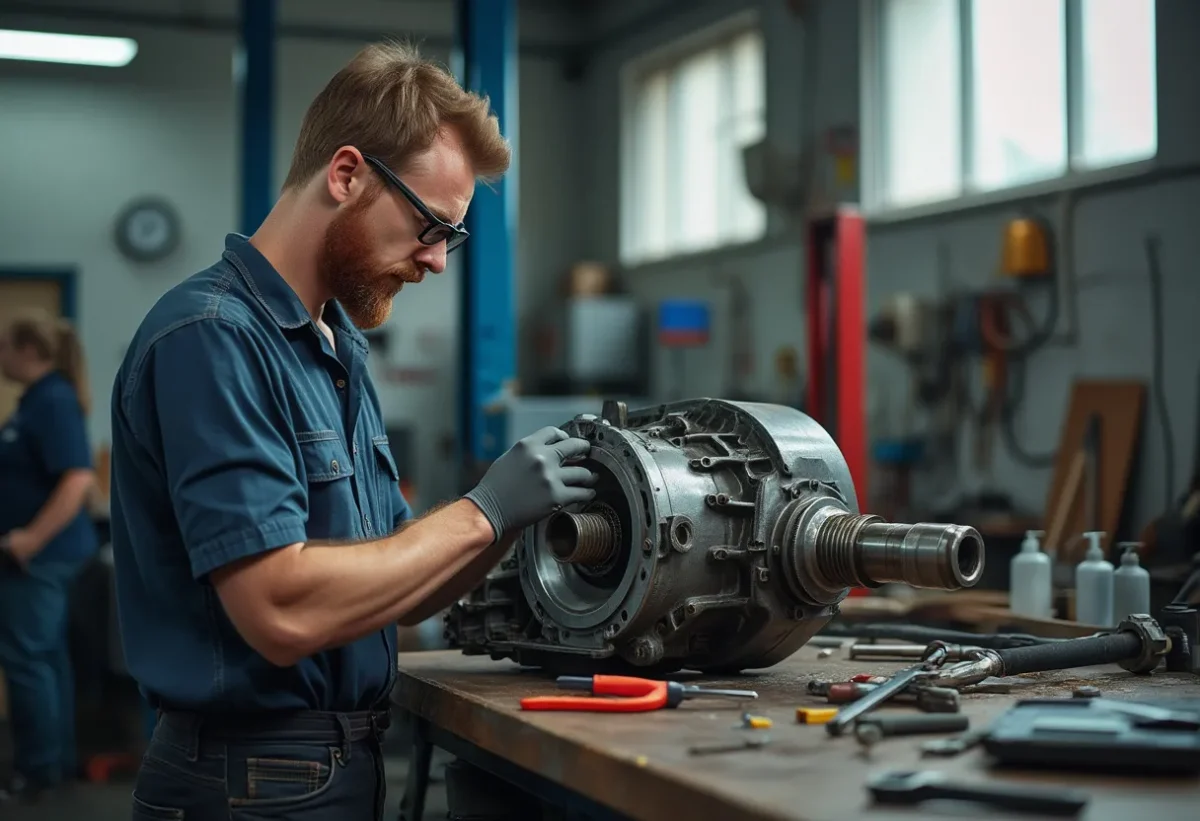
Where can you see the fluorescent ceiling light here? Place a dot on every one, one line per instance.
(79, 49)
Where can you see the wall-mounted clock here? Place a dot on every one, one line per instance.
(147, 229)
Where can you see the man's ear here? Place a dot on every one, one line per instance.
(344, 173)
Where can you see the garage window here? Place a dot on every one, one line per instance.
(977, 96)
(687, 114)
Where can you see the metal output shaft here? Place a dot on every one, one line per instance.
(865, 551)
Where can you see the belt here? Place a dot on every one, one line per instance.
(301, 726)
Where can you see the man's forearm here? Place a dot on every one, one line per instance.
(319, 596)
(462, 583)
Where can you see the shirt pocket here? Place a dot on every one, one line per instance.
(387, 479)
(332, 511)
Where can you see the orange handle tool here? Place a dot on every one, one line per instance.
(635, 695)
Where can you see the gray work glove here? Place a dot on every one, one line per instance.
(533, 480)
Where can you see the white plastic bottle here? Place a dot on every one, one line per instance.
(1094, 586)
(1030, 592)
(1131, 584)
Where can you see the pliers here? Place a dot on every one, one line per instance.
(636, 695)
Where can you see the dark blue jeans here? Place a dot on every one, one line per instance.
(37, 665)
(316, 767)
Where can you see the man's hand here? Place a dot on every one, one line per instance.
(533, 480)
(21, 545)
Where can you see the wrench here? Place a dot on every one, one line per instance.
(913, 786)
(947, 747)
(898, 683)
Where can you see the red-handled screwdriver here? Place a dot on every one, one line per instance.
(635, 695)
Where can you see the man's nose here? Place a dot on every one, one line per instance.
(433, 257)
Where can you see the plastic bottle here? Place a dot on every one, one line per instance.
(1030, 590)
(1094, 586)
(1131, 584)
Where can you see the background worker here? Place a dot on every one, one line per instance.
(263, 551)
(46, 537)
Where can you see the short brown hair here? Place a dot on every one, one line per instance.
(390, 102)
(53, 340)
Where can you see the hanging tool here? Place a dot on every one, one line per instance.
(914, 787)
(1138, 645)
(635, 695)
(896, 684)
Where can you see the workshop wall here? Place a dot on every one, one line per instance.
(1114, 333)
(771, 269)
(82, 143)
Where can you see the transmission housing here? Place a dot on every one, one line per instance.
(723, 535)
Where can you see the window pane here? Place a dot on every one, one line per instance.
(746, 216)
(921, 110)
(1019, 122)
(651, 194)
(1119, 109)
(699, 90)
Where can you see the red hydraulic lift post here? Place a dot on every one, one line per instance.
(835, 293)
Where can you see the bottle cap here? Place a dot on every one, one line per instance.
(1094, 551)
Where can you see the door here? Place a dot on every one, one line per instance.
(17, 294)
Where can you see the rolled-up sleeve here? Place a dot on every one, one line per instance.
(401, 512)
(227, 445)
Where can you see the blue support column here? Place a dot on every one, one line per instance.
(256, 92)
(487, 64)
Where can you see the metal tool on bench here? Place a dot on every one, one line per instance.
(954, 652)
(926, 699)
(914, 787)
(635, 695)
(898, 683)
(874, 728)
(1138, 645)
(955, 745)
(754, 742)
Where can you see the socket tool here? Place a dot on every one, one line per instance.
(914, 786)
(898, 683)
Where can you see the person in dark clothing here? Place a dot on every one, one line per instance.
(46, 537)
(263, 551)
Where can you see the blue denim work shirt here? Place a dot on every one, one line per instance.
(44, 438)
(238, 429)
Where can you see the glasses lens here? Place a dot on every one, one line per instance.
(456, 240)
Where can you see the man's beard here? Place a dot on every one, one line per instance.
(363, 289)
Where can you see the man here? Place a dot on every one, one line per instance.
(263, 550)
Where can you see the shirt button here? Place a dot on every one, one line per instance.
(356, 448)
(341, 383)
(334, 466)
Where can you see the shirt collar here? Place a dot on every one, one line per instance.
(272, 290)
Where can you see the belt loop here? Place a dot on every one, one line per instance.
(344, 724)
(195, 725)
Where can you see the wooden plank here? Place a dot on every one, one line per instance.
(638, 765)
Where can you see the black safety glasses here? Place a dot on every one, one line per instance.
(437, 229)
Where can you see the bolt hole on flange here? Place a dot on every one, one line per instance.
(681, 531)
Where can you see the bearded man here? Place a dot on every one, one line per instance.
(263, 551)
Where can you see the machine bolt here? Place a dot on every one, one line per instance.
(1087, 691)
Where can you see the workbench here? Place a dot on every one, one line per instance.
(636, 765)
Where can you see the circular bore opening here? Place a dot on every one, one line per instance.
(683, 533)
(562, 535)
(969, 557)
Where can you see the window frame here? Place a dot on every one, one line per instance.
(666, 57)
(874, 127)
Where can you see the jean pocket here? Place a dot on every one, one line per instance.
(281, 777)
(152, 812)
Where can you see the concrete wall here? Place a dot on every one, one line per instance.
(79, 143)
(1114, 333)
